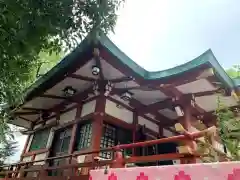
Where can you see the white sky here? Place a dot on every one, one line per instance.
(159, 34)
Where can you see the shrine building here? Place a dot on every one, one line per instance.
(97, 97)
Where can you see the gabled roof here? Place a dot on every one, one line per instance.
(62, 67)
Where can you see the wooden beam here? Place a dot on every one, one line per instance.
(33, 109)
(74, 131)
(80, 77)
(52, 96)
(25, 118)
(97, 123)
(79, 97)
(163, 118)
(122, 79)
(26, 113)
(164, 121)
(137, 104)
(118, 122)
(120, 103)
(155, 106)
(208, 93)
(135, 124)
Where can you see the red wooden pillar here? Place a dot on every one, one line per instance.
(160, 130)
(74, 132)
(97, 123)
(135, 124)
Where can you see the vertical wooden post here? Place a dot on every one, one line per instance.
(135, 124)
(97, 123)
(71, 160)
(160, 130)
(118, 159)
(26, 144)
(186, 123)
(74, 130)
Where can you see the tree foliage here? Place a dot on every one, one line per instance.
(29, 28)
(234, 72)
(228, 129)
(7, 150)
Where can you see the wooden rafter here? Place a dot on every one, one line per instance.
(122, 79)
(135, 103)
(26, 113)
(52, 96)
(207, 93)
(23, 118)
(80, 77)
(155, 106)
(76, 98)
(33, 109)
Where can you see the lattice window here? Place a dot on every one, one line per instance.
(60, 147)
(112, 136)
(108, 139)
(39, 140)
(62, 141)
(84, 136)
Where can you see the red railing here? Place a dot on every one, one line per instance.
(70, 168)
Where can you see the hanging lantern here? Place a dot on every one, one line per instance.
(69, 91)
(126, 96)
(108, 88)
(95, 70)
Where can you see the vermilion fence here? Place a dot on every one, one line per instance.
(73, 169)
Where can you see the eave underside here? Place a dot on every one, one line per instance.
(152, 93)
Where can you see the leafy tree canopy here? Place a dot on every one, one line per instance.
(228, 129)
(7, 150)
(234, 72)
(30, 29)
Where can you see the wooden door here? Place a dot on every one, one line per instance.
(60, 147)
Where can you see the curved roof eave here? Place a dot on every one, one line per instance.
(206, 57)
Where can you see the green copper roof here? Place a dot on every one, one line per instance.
(206, 58)
(237, 81)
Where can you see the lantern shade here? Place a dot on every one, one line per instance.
(95, 70)
(69, 91)
(126, 96)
